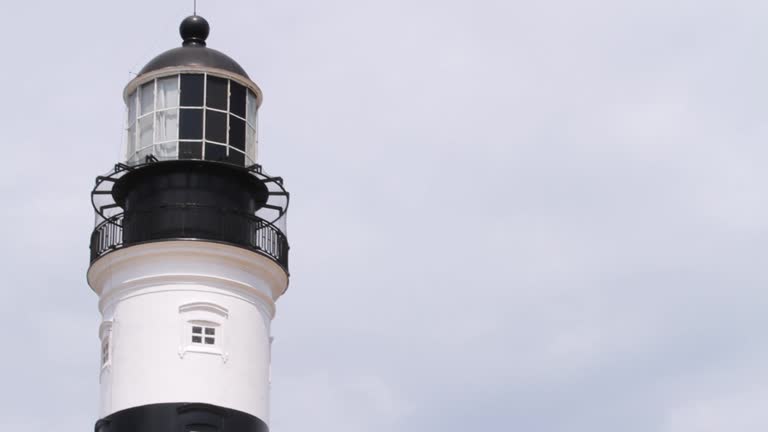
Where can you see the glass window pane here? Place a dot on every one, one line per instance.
(251, 109)
(141, 156)
(167, 125)
(145, 131)
(216, 126)
(198, 330)
(210, 331)
(168, 92)
(236, 133)
(215, 152)
(147, 98)
(236, 157)
(167, 151)
(131, 142)
(197, 339)
(217, 93)
(191, 124)
(192, 90)
(209, 341)
(131, 108)
(190, 150)
(236, 99)
(250, 143)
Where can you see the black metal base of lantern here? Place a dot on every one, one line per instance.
(190, 200)
(184, 199)
(180, 417)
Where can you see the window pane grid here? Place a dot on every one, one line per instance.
(203, 335)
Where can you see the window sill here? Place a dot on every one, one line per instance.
(183, 350)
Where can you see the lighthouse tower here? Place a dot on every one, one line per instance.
(189, 252)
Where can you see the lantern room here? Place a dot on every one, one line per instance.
(192, 102)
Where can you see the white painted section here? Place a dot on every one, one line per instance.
(151, 296)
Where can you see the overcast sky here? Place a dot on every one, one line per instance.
(506, 216)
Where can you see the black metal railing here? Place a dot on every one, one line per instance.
(190, 221)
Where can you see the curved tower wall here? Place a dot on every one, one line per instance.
(153, 296)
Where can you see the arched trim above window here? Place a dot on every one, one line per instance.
(205, 307)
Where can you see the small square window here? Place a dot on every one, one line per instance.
(208, 339)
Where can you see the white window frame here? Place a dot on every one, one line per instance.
(205, 315)
(206, 327)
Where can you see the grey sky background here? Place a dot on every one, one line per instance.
(506, 216)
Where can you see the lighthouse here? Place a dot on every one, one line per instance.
(189, 252)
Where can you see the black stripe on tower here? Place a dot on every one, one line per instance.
(180, 417)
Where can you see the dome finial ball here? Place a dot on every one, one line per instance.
(194, 30)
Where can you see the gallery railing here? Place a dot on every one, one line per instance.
(191, 222)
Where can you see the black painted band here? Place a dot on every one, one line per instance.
(180, 417)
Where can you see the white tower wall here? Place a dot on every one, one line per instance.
(152, 295)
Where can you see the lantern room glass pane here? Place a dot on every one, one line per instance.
(168, 92)
(215, 126)
(217, 93)
(237, 99)
(192, 86)
(190, 150)
(131, 141)
(215, 152)
(131, 109)
(141, 156)
(251, 109)
(236, 133)
(147, 98)
(167, 125)
(167, 151)
(145, 131)
(236, 157)
(191, 123)
(250, 142)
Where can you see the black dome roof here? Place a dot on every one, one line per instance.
(193, 52)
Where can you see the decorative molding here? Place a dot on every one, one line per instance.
(241, 272)
(204, 307)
